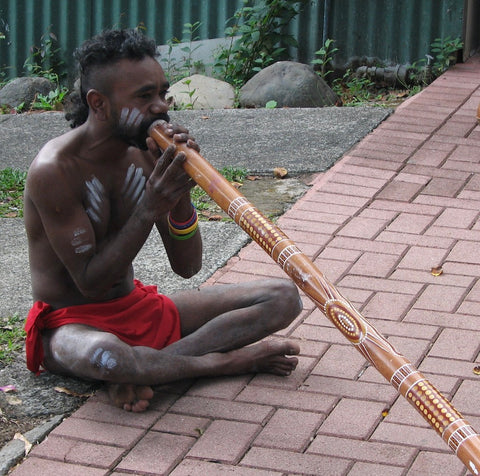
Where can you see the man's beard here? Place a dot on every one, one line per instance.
(135, 132)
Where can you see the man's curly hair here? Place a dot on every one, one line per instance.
(103, 50)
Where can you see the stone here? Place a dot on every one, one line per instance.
(288, 83)
(202, 92)
(24, 90)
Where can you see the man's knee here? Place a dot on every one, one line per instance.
(108, 358)
(87, 354)
(284, 294)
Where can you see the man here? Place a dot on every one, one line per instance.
(91, 200)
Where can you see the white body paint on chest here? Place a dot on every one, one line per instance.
(95, 198)
(134, 185)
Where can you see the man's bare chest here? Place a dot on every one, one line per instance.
(109, 198)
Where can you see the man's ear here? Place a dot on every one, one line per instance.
(99, 104)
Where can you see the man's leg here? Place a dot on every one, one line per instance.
(217, 323)
(226, 317)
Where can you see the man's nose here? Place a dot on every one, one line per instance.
(160, 105)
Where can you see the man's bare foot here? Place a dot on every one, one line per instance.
(131, 398)
(265, 357)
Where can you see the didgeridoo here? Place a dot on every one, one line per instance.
(399, 371)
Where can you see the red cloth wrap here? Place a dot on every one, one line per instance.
(142, 318)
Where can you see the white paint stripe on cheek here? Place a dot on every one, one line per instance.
(124, 115)
(138, 121)
(133, 117)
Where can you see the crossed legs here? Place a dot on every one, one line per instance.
(218, 325)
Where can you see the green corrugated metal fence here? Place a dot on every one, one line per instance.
(399, 31)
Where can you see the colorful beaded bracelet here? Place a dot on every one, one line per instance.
(183, 230)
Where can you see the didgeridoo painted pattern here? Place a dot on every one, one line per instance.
(460, 436)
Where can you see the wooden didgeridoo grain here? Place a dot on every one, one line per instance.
(400, 372)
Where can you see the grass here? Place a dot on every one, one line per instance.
(12, 337)
(12, 185)
(203, 203)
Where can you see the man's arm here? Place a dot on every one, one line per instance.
(185, 256)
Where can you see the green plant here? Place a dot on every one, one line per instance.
(271, 104)
(45, 59)
(6, 109)
(353, 90)
(200, 198)
(190, 93)
(12, 337)
(12, 185)
(234, 174)
(3, 29)
(175, 70)
(52, 101)
(324, 57)
(189, 36)
(445, 51)
(257, 39)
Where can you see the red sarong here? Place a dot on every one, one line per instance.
(142, 318)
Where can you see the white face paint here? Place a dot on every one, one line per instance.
(80, 242)
(95, 198)
(130, 120)
(134, 185)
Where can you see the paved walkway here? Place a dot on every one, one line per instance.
(405, 200)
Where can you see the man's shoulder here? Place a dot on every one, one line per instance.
(53, 153)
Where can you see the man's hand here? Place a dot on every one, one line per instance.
(177, 133)
(168, 184)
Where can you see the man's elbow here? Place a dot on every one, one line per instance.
(188, 271)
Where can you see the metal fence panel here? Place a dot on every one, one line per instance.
(399, 31)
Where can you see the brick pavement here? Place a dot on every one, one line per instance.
(404, 200)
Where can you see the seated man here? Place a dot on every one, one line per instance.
(91, 200)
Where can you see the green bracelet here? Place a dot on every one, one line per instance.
(182, 237)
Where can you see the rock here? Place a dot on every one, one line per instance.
(24, 89)
(202, 92)
(288, 83)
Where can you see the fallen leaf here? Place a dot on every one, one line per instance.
(437, 271)
(8, 388)
(280, 172)
(11, 215)
(236, 185)
(72, 392)
(28, 445)
(12, 400)
(205, 117)
(476, 370)
(215, 218)
(385, 412)
(252, 178)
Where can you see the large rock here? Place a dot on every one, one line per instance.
(24, 90)
(202, 92)
(288, 83)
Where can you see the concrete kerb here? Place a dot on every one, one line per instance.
(15, 450)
